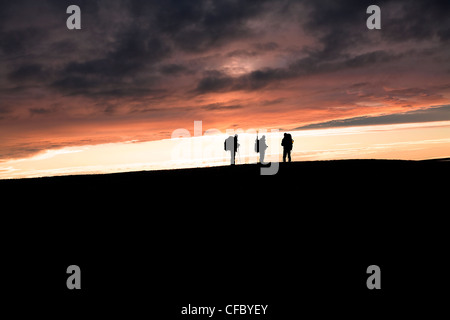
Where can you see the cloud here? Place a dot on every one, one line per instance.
(133, 53)
(242, 53)
(25, 72)
(175, 69)
(436, 113)
(137, 50)
(218, 106)
(40, 111)
(214, 81)
(264, 77)
(15, 42)
(196, 26)
(266, 46)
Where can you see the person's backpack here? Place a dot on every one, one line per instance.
(229, 144)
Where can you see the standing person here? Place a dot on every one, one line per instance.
(261, 146)
(236, 148)
(231, 144)
(287, 143)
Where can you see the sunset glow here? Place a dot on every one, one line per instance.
(400, 141)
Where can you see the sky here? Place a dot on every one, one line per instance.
(109, 97)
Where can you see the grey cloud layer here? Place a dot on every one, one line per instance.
(437, 113)
(125, 43)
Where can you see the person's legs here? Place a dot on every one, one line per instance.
(289, 155)
(261, 158)
(284, 155)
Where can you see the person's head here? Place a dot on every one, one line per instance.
(285, 134)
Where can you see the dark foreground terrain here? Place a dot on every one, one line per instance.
(150, 243)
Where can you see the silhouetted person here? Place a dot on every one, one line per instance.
(261, 146)
(231, 144)
(287, 146)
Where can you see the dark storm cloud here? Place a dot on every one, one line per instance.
(242, 53)
(214, 82)
(255, 50)
(16, 42)
(262, 78)
(137, 40)
(128, 59)
(418, 20)
(131, 53)
(338, 24)
(144, 34)
(438, 113)
(175, 69)
(196, 26)
(63, 47)
(339, 28)
(266, 46)
(333, 24)
(25, 72)
(371, 58)
(252, 81)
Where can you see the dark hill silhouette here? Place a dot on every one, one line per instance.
(226, 233)
(312, 178)
(335, 190)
